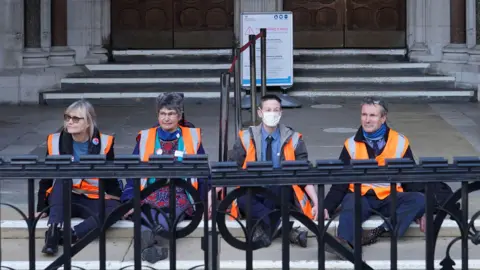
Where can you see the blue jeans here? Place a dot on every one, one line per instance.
(410, 206)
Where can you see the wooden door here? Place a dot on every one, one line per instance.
(317, 23)
(142, 24)
(203, 24)
(375, 24)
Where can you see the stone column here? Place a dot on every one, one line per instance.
(97, 52)
(60, 54)
(33, 56)
(456, 51)
(473, 10)
(418, 18)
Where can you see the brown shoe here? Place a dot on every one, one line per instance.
(344, 243)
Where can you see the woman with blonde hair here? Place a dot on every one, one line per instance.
(80, 136)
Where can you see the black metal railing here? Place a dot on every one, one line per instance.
(251, 181)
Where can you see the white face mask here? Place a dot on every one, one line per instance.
(271, 119)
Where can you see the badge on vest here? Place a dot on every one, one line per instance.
(95, 141)
(178, 153)
(159, 151)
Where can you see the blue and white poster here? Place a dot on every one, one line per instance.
(279, 27)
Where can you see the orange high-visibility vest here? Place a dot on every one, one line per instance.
(396, 146)
(289, 154)
(88, 187)
(191, 138)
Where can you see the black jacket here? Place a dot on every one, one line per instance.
(112, 186)
(338, 192)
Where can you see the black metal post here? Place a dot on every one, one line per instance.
(237, 92)
(393, 231)
(357, 245)
(102, 240)
(430, 235)
(67, 223)
(172, 226)
(137, 223)
(285, 224)
(224, 97)
(464, 230)
(321, 226)
(253, 79)
(31, 220)
(263, 60)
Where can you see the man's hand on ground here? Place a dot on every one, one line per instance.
(422, 222)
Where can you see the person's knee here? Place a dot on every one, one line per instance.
(415, 200)
(348, 202)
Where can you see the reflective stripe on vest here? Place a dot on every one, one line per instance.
(146, 147)
(395, 147)
(88, 186)
(289, 154)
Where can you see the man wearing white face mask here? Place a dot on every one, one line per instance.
(271, 141)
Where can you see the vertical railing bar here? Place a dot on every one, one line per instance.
(285, 224)
(321, 226)
(393, 229)
(465, 227)
(358, 227)
(172, 226)
(430, 237)
(101, 211)
(137, 215)
(215, 248)
(31, 220)
(67, 224)
(249, 251)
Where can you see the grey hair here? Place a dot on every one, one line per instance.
(376, 101)
(86, 110)
(170, 101)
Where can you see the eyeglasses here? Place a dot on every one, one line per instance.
(169, 115)
(74, 119)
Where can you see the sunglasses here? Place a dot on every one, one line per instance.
(74, 119)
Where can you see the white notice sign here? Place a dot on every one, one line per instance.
(279, 27)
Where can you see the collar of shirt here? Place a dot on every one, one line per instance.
(275, 134)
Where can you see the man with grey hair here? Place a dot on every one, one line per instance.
(374, 140)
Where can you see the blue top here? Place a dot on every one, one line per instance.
(79, 149)
(276, 147)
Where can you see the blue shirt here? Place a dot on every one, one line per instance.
(276, 147)
(79, 149)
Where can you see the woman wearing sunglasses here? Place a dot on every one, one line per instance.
(80, 136)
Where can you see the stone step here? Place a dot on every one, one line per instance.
(13, 229)
(134, 92)
(318, 71)
(191, 82)
(411, 255)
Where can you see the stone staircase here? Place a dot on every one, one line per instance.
(317, 73)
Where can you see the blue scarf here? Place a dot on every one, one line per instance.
(376, 135)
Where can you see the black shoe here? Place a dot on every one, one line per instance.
(74, 237)
(151, 252)
(298, 237)
(259, 235)
(52, 240)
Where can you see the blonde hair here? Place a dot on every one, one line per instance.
(85, 109)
